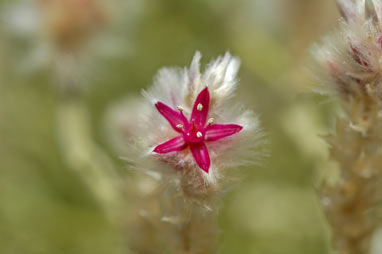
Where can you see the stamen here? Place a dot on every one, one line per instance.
(199, 107)
(180, 108)
(211, 120)
(199, 134)
(179, 126)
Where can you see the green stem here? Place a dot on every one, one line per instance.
(84, 157)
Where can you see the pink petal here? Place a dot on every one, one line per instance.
(201, 107)
(172, 116)
(218, 131)
(201, 156)
(173, 145)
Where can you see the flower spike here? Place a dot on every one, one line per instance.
(186, 150)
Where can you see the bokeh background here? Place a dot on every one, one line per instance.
(45, 207)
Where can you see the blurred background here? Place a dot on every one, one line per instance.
(52, 105)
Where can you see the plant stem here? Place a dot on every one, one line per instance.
(84, 157)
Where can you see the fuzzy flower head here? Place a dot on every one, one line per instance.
(350, 60)
(190, 131)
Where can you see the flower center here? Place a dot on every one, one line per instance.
(194, 133)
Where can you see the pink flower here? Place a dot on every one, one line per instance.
(194, 132)
(200, 136)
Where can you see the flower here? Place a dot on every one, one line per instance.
(223, 135)
(194, 132)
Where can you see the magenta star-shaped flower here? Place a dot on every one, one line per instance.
(194, 132)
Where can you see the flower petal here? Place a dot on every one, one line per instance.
(218, 131)
(172, 116)
(173, 145)
(201, 156)
(201, 107)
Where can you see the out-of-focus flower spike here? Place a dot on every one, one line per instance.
(67, 37)
(349, 62)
